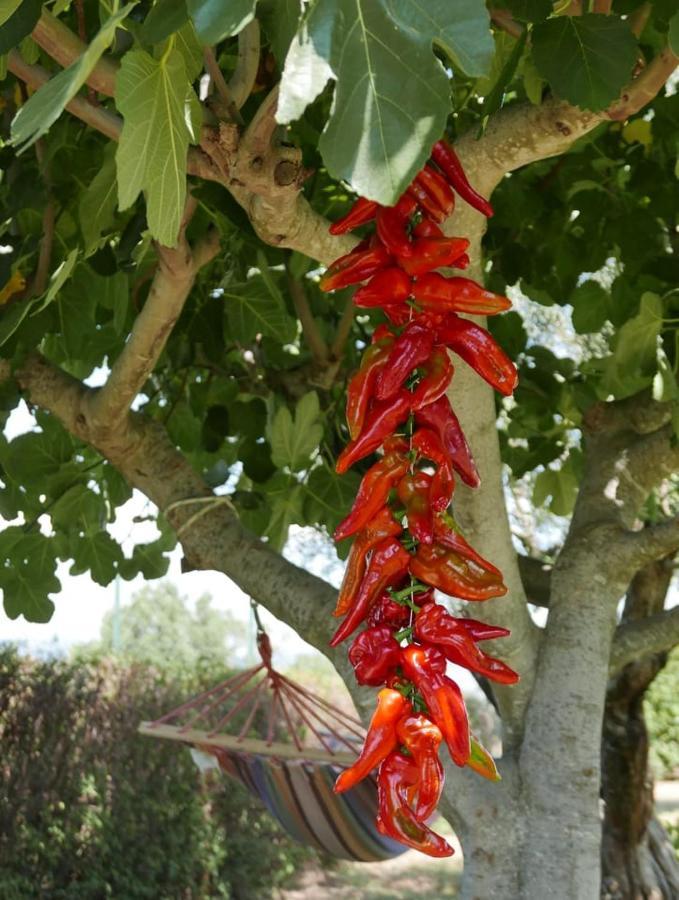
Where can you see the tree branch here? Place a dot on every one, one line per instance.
(654, 634)
(317, 346)
(108, 123)
(506, 21)
(243, 79)
(653, 542)
(645, 87)
(62, 45)
(144, 455)
(171, 285)
(521, 134)
(343, 329)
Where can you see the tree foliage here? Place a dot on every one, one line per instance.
(238, 388)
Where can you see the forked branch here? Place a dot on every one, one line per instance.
(654, 634)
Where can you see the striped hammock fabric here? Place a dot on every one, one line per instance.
(299, 795)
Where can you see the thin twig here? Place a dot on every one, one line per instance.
(312, 335)
(221, 86)
(62, 45)
(504, 20)
(637, 20)
(343, 329)
(42, 270)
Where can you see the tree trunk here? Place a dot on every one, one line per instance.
(637, 860)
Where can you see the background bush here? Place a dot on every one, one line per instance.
(90, 809)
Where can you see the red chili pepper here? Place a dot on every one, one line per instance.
(428, 206)
(433, 291)
(447, 160)
(462, 262)
(439, 416)
(381, 420)
(392, 226)
(389, 287)
(412, 347)
(361, 212)
(354, 267)
(361, 388)
(388, 611)
(380, 740)
(372, 494)
(482, 631)
(425, 666)
(428, 444)
(456, 575)
(437, 372)
(480, 350)
(381, 333)
(381, 526)
(395, 817)
(374, 654)
(427, 229)
(413, 491)
(432, 253)
(421, 737)
(388, 564)
(448, 536)
(434, 625)
(481, 762)
(437, 188)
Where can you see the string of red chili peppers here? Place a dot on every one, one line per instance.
(406, 543)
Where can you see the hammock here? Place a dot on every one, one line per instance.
(292, 776)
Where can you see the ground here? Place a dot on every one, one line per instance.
(413, 876)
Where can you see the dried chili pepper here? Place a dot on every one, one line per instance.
(439, 416)
(434, 291)
(374, 654)
(392, 226)
(361, 212)
(428, 444)
(480, 350)
(388, 564)
(395, 817)
(427, 254)
(380, 526)
(380, 421)
(387, 288)
(447, 160)
(448, 536)
(354, 267)
(456, 575)
(425, 667)
(380, 740)
(427, 228)
(361, 388)
(434, 625)
(413, 492)
(412, 347)
(421, 737)
(372, 494)
(437, 188)
(436, 372)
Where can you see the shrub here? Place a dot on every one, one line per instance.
(90, 809)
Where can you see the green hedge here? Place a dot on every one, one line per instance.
(90, 809)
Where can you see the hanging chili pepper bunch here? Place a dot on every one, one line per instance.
(405, 540)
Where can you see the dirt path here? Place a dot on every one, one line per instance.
(413, 876)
